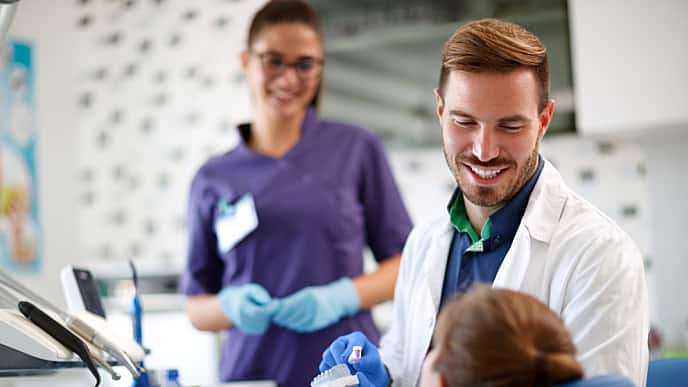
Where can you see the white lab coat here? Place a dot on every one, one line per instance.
(567, 254)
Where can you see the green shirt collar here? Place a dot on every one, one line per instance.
(459, 218)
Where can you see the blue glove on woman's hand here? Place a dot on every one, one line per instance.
(249, 307)
(317, 307)
(370, 369)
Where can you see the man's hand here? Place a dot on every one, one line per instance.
(370, 369)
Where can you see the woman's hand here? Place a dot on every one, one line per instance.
(316, 307)
(249, 307)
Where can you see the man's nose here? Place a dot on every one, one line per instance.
(485, 146)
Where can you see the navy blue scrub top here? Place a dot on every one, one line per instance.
(318, 207)
(476, 259)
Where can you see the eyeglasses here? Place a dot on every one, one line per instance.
(274, 65)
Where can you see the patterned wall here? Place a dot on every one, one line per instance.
(159, 91)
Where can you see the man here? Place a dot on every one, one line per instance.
(512, 221)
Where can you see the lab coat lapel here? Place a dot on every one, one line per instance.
(543, 212)
(513, 269)
(435, 263)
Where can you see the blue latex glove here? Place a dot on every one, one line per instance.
(249, 307)
(370, 369)
(316, 307)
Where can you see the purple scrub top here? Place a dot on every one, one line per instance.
(318, 207)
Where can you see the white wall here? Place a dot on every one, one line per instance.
(668, 185)
(630, 59)
(47, 28)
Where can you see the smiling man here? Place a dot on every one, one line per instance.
(512, 222)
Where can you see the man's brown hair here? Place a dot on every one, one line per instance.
(491, 45)
(502, 338)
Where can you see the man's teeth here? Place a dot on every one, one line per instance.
(486, 173)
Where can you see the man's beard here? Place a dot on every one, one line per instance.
(496, 196)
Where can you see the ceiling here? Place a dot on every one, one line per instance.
(383, 59)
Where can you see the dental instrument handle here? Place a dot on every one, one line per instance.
(63, 335)
(105, 365)
(102, 343)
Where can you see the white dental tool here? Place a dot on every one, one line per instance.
(337, 376)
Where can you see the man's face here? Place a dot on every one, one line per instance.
(491, 131)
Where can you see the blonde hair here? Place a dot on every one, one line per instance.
(502, 338)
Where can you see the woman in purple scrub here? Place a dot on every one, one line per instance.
(278, 224)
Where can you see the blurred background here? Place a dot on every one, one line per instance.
(107, 108)
(383, 59)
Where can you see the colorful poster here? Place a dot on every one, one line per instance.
(20, 237)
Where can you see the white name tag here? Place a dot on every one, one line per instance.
(234, 221)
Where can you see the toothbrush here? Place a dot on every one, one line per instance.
(136, 317)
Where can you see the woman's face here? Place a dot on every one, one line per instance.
(283, 67)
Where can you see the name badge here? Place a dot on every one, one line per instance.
(234, 221)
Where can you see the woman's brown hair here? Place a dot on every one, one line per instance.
(283, 11)
(502, 338)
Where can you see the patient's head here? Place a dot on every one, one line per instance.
(499, 338)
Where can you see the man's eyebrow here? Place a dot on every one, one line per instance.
(514, 117)
(511, 118)
(460, 113)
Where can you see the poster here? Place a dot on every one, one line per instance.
(20, 247)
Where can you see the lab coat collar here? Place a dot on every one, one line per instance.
(546, 204)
